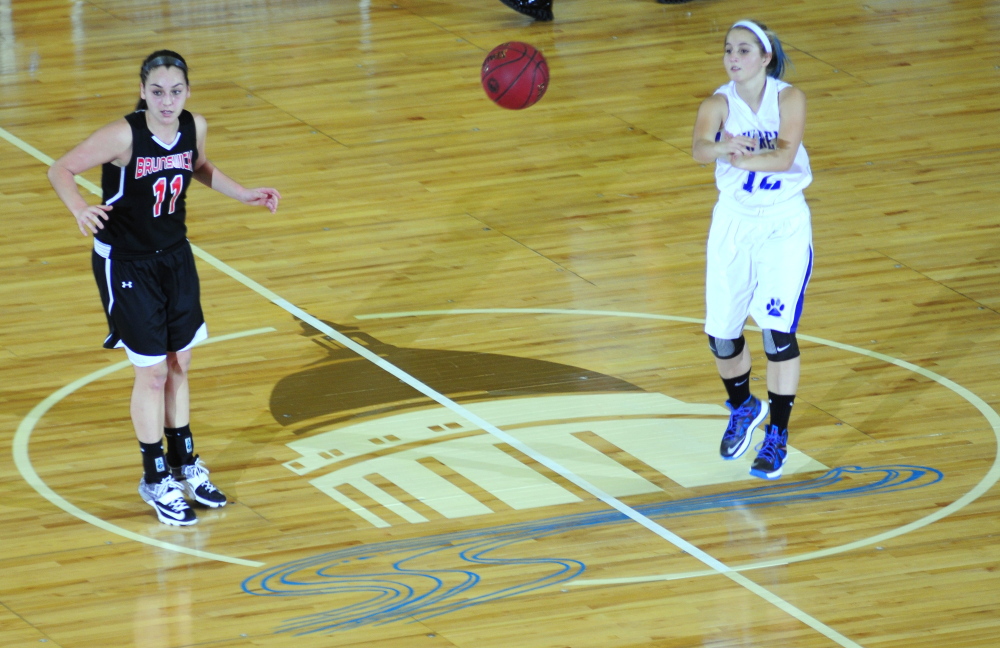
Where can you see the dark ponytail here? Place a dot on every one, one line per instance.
(160, 58)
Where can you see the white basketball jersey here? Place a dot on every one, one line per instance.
(759, 188)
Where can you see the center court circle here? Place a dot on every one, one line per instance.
(23, 434)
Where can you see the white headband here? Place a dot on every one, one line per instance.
(752, 26)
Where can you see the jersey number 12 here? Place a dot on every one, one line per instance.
(764, 184)
(160, 192)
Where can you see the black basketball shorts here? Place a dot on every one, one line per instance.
(152, 303)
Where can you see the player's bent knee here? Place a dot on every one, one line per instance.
(725, 349)
(780, 346)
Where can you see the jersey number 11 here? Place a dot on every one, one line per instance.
(160, 192)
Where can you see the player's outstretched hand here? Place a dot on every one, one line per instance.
(263, 196)
(92, 218)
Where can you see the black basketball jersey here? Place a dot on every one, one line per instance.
(148, 194)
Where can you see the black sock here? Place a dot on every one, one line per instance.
(738, 389)
(180, 445)
(781, 409)
(154, 467)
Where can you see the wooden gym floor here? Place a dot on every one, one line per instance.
(457, 390)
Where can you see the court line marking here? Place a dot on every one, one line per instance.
(22, 459)
(614, 503)
(27, 148)
(985, 484)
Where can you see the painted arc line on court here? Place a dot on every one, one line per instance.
(632, 514)
(22, 460)
(987, 482)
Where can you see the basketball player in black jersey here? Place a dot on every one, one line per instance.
(145, 269)
(542, 9)
(537, 9)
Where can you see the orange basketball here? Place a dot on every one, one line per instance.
(515, 75)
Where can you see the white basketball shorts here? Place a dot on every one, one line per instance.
(759, 263)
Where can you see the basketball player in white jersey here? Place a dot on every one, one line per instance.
(145, 268)
(760, 241)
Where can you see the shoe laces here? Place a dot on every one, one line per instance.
(197, 474)
(769, 448)
(170, 493)
(739, 414)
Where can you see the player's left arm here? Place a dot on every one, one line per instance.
(211, 176)
(792, 114)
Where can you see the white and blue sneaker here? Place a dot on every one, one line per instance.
(167, 497)
(771, 453)
(742, 421)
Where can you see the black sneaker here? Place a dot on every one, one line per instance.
(537, 9)
(771, 453)
(194, 480)
(739, 432)
(167, 497)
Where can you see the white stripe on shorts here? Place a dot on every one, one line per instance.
(107, 279)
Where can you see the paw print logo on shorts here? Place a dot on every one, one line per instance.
(774, 307)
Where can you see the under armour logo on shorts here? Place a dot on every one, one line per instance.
(126, 284)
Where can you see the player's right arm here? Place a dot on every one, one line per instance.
(212, 176)
(112, 143)
(711, 118)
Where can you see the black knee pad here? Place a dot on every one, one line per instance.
(725, 349)
(780, 346)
